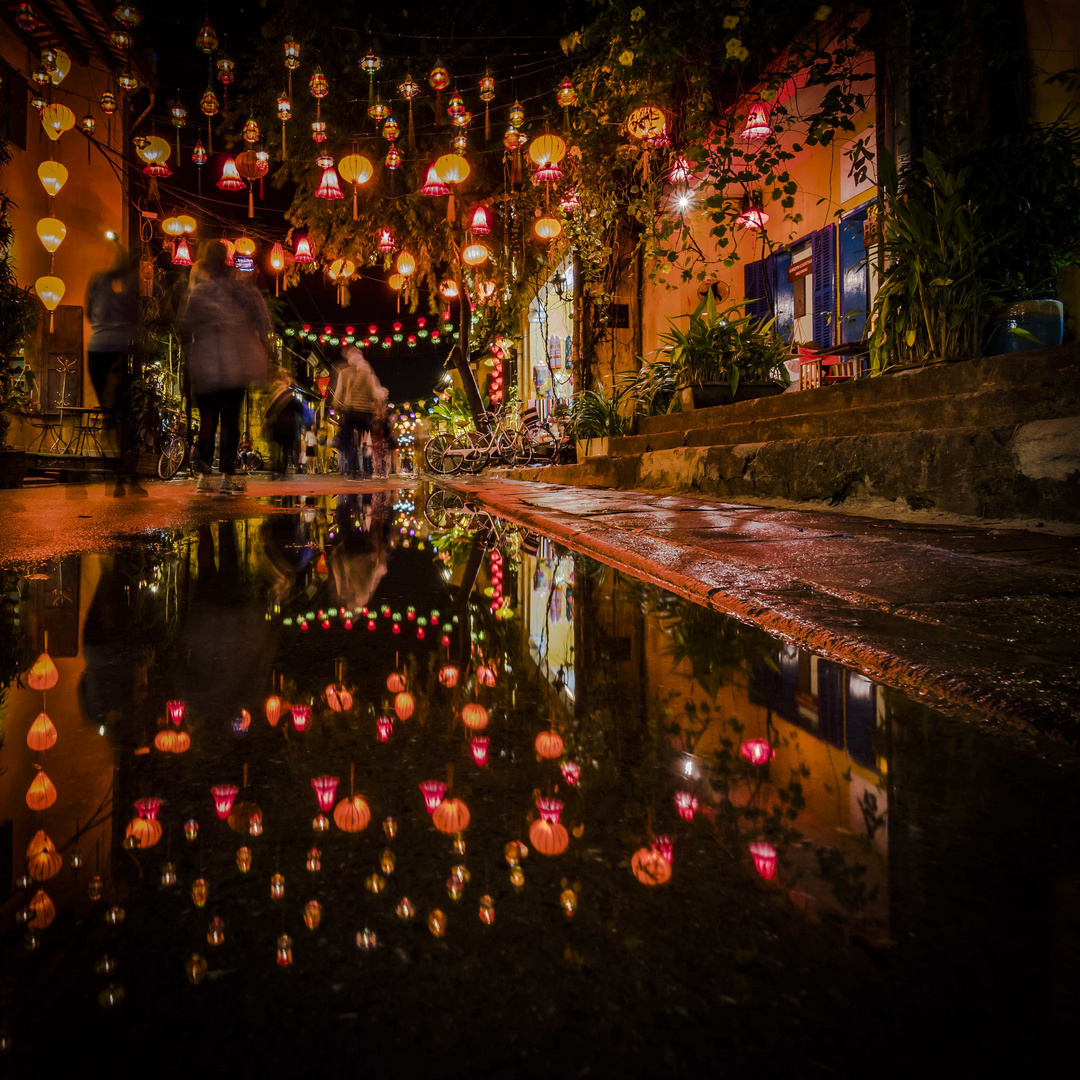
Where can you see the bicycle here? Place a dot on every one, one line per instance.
(175, 448)
(472, 451)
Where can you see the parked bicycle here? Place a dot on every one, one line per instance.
(503, 442)
(178, 449)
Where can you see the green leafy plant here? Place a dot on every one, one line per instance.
(596, 414)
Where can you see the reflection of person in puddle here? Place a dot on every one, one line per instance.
(358, 561)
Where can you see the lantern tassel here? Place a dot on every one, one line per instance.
(450, 207)
(277, 284)
(438, 108)
(487, 122)
(177, 144)
(262, 190)
(284, 144)
(412, 132)
(354, 212)
(210, 135)
(52, 315)
(251, 201)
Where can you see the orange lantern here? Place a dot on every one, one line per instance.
(245, 246)
(451, 816)
(474, 716)
(352, 814)
(485, 675)
(42, 792)
(547, 228)
(44, 865)
(547, 150)
(404, 705)
(548, 837)
(146, 831)
(273, 710)
(183, 742)
(650, 867)
(41, 842)
(165, 741)
(549, 744)
(448, 676)
(42, 909)
(396, 282)
(395, 682)
(43, 675)
(42, 733)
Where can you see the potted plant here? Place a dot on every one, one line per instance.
(722, 356)
(18, 316)
(596, 417)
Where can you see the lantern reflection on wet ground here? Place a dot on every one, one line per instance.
(890, 842)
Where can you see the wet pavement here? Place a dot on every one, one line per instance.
(381, 781)
(984, 624)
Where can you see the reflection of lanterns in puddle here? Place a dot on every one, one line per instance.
(111, 996)
(479, 748)
(366, 939)
(571, 771)
(405, 909)
(191, 829)
(485, 675)
(215, 933)
(451, 816)
(175, 709)
(277, 886)
(515, 851)
(386, 863)
(94, 888)
(404, 705)
(224, 797)
(195, 969)
(284, 950)
(320, 823)
(312, 914)
(375, 883)
(459, 844)
(385, 726)
(352, 814)
(75, 859)
(448, 676)
(549, 745)
(255, 825)
(300, 716)
(517, 876)
(454, 887)
(650, 867)
(686, 804)
(314, 860)
(168, 875)
(243, 859)
(764, 855)
(568, 902)
(389, 827)
(273, 709)
(436, 922)
(474, 716)
(106, 965)
(115, 915)
(325, 790)
(434, 791)
(200, 890)
(487, 910)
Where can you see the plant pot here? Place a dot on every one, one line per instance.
(1044, 319)
(587, 448)
(12, 468)
(706, 395)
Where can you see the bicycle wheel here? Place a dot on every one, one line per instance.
(437, 456)
(522, 450)
(475, 451)
(172, 457)
(443, 507)
(256, 462)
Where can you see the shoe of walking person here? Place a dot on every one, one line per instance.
(135, 488)
(203, 486)
(118, 489)
(231, 485)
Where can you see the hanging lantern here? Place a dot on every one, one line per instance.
(325, 790)
(764, 856)
(127, 82)
(108, 103)
(127, 15)
(679, 173)
(404, 705)
(409, 88)
(318, 85)
(198, 154)
(318, 131)
(474, 716)
(566, 95)
(686, 804)
(143, 833)
(459, 143)
(182, 253)
(329, 188)
(384, 725)
(433, 184)
(569, 201)
(449, 289)
(251, 131)
(548, 744)
(452, 169)
(56, 119)
(753, 216)
(517, 115)
(648, 126)
(547, 150)
(277, 264)
(206, 40)
(448, 676)
(356, 170)
(230, 177)
(571, 771)
(386, 241)
(378, 111)
(479, 223)
(757, 123)
(434, 791)
(547, 229)
(406, 266)
(395, 682)
(479, 749)
(438, 80)
(50, 291)
(226, 73)
(41, 793)
(451, 816)
(121, 39)
(155, 153)
(224, 797)
(757, 751)
(208, 103)
(25, 19)
(42, 733)
(390, 129)
(51, 232)
(42, 910)
(393, 159)
(352, 815)
(53, 177)
(244, 246)
(292, 52)
(548, 835)
(175, 709)
(63, 66)
(650, 867)
(456, 108)
(475, 255)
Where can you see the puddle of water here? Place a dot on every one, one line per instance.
(687, 844)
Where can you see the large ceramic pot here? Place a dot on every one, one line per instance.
(1043, 319)
(706, 395)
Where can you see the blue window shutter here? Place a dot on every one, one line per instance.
(783, 293)
(757, 301)
(854, 277)
(823, 254)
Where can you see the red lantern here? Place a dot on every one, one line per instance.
(182, 253)
(325, 790)
(479, 223)
(318, 85)
(479, 747)
(387, 244)
(550, 810)
(403, 703)
(329, 188)
(764, 855)
(571, 771)
(385, 725)
(175, 709)
(230, 177)
(434, 791)
(303, 252)
(43, 675)
(686, 804)
(198, 154)
(664, 847)
(757, 751)
(757, 123)
(680, 171)
(224, 797)
(300, 716)
(474, 716)
(433, 184)
(753, 215)
(448, 676)
(148, 808)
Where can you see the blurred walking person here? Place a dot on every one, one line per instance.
(112, 308)
(228, 326)
(359, 395)
(284, 424)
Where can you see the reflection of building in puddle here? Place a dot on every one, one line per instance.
(548, 588)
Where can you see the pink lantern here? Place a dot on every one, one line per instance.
(385, 725)
(434, 791)
(448, 676)
(764, 855)
(175, 709)
(325, 789)
(480, 224)
(686, 804)
(757, 751)
(148, 808)
(485, 675)
(300, 716)
(757, 122)
(550, 810)
(571, 771)
(680, 171)
(329, 187)
(224, 797)
(663, 845)
(479, 747)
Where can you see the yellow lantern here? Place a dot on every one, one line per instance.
(53, 177)
(547, 228)
(245, 246)
(56, 119)
(355, 169)
(50, 292)
(452, 169)
(406, 266)
(475, 255)
(154, 150)
(63, 66)
(646, 123)
(547, 150)
(187, 224)
(51, 232)
(396, 282)
(277, 264)
(171, 226)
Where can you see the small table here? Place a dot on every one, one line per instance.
(86, 423)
